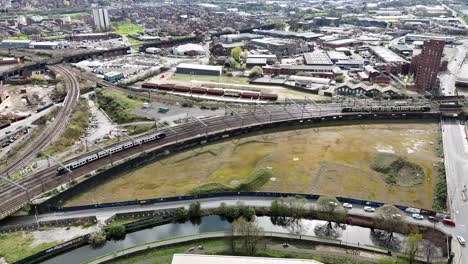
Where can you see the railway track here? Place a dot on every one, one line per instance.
(54, 129)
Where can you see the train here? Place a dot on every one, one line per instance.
(109, 151)
(386, 109)
(211, 91)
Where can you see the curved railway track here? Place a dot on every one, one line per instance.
(12, 198)
(54, 129)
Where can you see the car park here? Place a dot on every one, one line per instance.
(348, 206)
(417, 216)
(461, 240)
(369, 209)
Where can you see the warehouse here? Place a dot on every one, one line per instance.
(16, 44)
(270, 58)
(199, 69)
(45, 45)
(317, 57)
(113, 76)
(189, 50)
(386, 55)
(251, 62)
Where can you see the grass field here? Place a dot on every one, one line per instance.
(125, 28)
(209, 78)
(119, 105)
(327, 160)
(17, 245)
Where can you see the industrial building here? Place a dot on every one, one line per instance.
(187, 68)
(215, 259)
(45, 45)
(231, 38)
(113, 76)
(342, 43)
(320, 71)
(16, 44)
(290, 34)
(251, 62)
(317, 57)
(386, 55)
(427, 64)
(270, 58)
(462, 77)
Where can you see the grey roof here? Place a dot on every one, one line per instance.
(256, 61)
(462, 75)
(317, 58)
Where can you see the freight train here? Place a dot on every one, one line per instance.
(109, 151)
(386, 109)
(211, 91)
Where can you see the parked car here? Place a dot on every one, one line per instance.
(396, 216)
(348, 206)
(369, 209)
(461, 240)
(448, 221)
(433, 219)
(418, 216)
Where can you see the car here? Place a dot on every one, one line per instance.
(461, 240)
(369, 209)
(396, 216)
(417, 216)
(348, 205)
(433, 219)
(448, 221)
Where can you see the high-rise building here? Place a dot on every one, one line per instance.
(101, 19)
(427, 64)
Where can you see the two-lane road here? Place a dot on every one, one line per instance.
(456, 165)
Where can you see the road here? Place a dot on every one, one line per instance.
(456, 166)
(55, 128)
(102, 214)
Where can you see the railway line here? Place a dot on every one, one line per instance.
(12, 198)
(54, 129)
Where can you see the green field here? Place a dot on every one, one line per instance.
(17, 245)
(127, 27)
(119, 105)
(327, 160)
(209, 78)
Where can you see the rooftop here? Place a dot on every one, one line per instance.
(462, 75)
(386, 55)
(199, 67)
(317, 58)
(214, 259)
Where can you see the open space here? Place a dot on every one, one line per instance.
(209, 78)
(327, 160)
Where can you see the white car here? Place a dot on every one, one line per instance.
(418, 217)
(369, 209)
(461, 240)
(348, 206)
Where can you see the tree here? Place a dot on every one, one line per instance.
(180, 214)
(387, 222)
(236, 53)
(194, 210)
(250, 236)
(116, 231)
(339, 78)
(428, 249)
(97, 238)
(281, 26)
(255, 72)
(412, 247)
(329, 209)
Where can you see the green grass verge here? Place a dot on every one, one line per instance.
(398, 170)
(440, 189)
(133, 41)
(76, 127)
(18, 245)
(209, 78)
(119, 105)
(138, 129)
(254, 181)
(127, 27)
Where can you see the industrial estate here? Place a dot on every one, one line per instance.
(237, 131)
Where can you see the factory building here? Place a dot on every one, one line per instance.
(198, 69)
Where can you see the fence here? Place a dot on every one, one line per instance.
(34, 226)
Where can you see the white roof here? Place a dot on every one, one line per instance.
(200, 67)
(190, 47)
(213, 259)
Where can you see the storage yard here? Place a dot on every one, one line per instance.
(310, 160)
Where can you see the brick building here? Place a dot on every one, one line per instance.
(427, 64)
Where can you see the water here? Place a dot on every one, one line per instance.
(346, 233)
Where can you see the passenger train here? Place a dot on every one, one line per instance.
(386, 109)
(109, 151)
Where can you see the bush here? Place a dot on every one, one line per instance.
(255, 180)
(339, 78)
(440, 189)
(116, 231)
(181, 214)
(97, 238)
(210, 187)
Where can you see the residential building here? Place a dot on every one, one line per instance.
(427, 64)
(101, 19)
